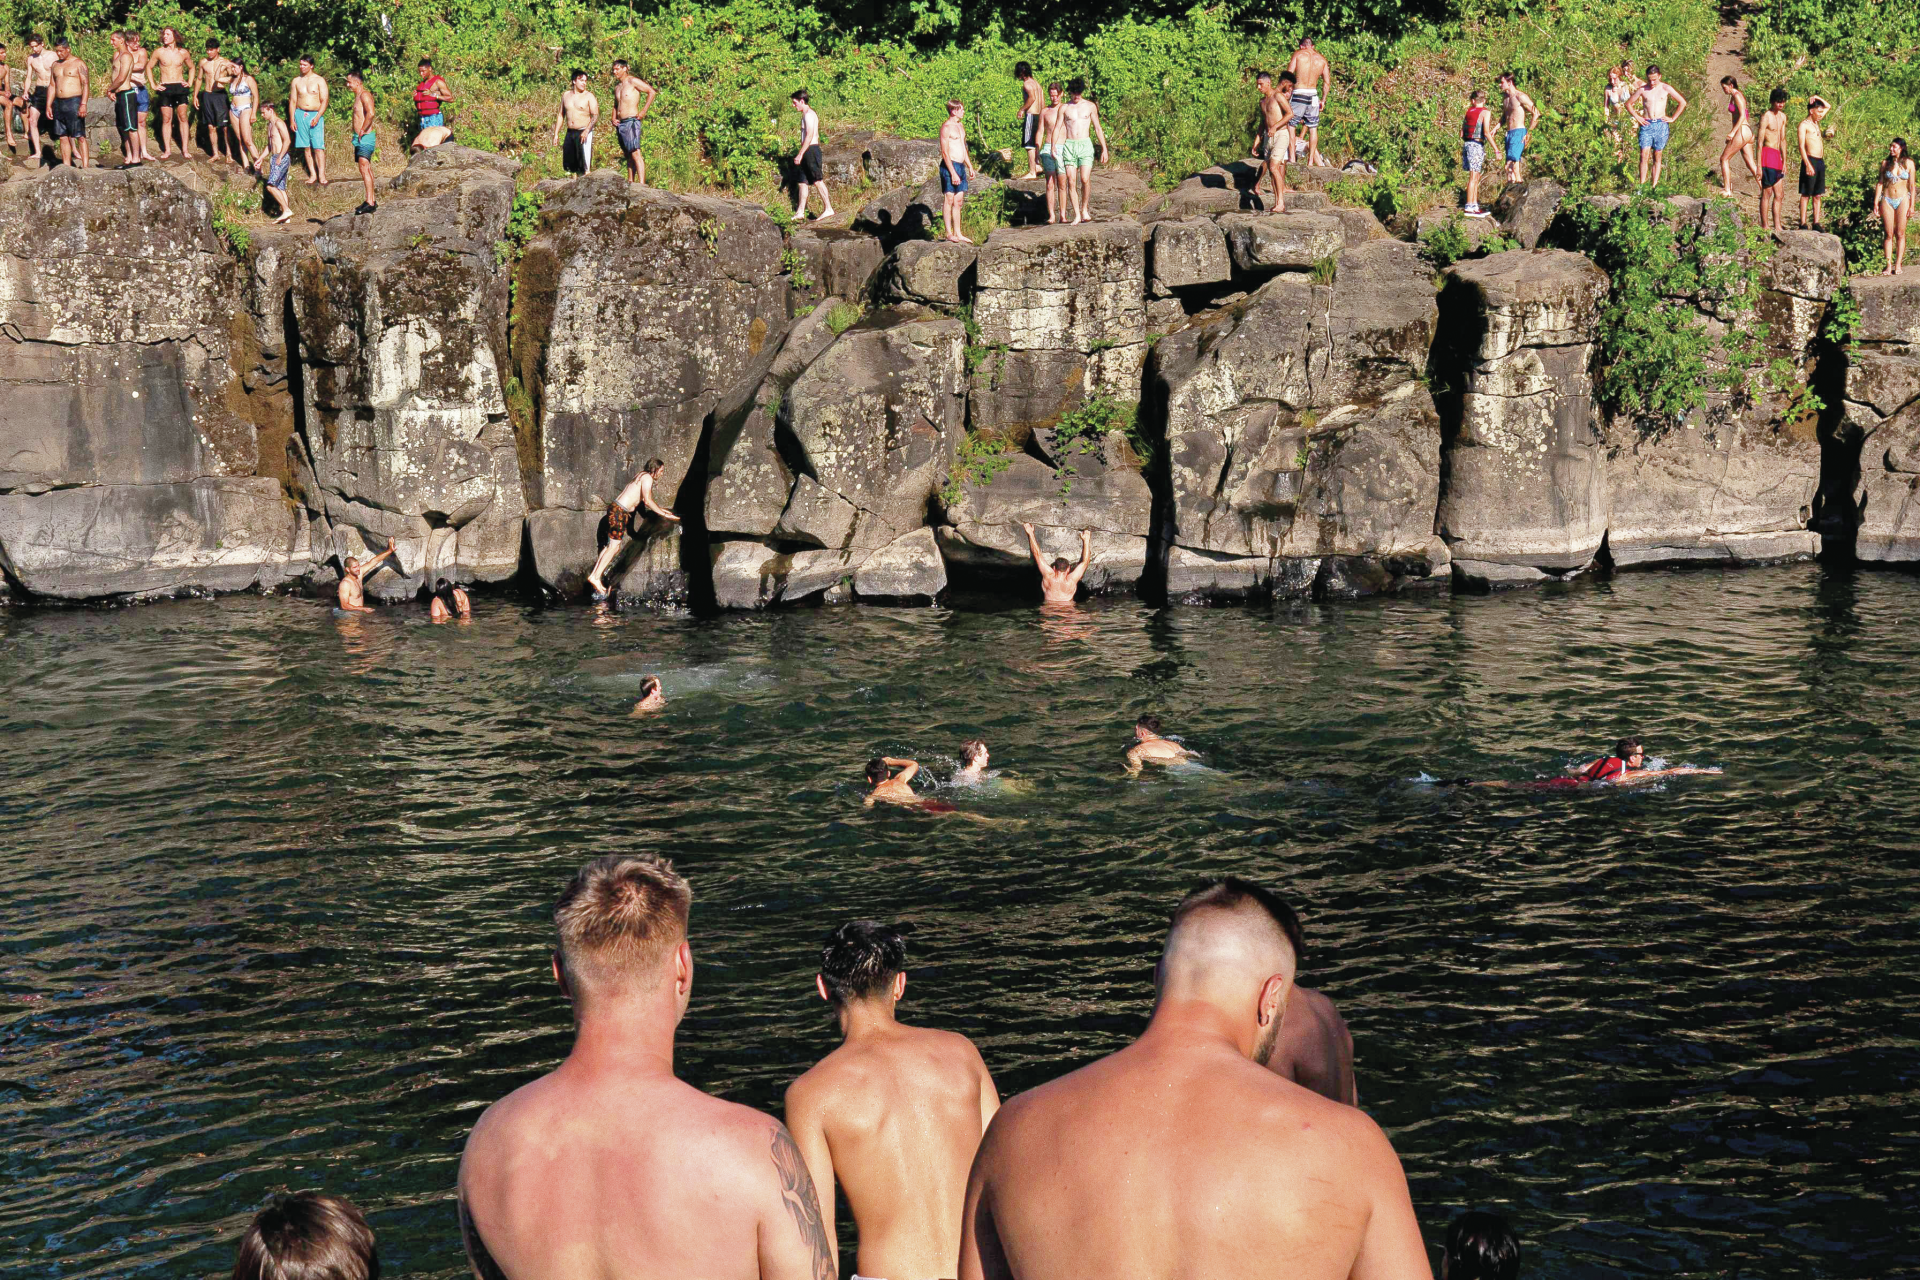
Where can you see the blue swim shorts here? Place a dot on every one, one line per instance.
(1653, 135)
(309, 129)
(956, 185)
(1516, 143)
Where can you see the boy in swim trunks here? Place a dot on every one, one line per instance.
(620, 513)
(1310, 75)
(364, 142)
(1273, 143)
(7, 101)
(1049, 163)
(1648, 107)
(1813, 161)
(34, 89)
(628, 113)
(579, 113)
(143, 102)
(308, 97)
(809, 161)
(1079, 118)
(1029, 117)
(209, 84)
(70, 82)
(279, 160)
(1515, 108)
(1773, 157)
(953, 170)
(126, 108)
(1474, 133)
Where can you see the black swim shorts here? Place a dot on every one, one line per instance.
(38, 101)
(173, 95)
(813, 165)
(576, 153)
(126, 111)
(1029, 130)
(1815, 183)
(214, 109)
(67, 121)
(1770, 177)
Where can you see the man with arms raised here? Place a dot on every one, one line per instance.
(1311, 76)
(611, 1166)
(353, 596)
(1180, 1155)
(895, 1113)
(1059, 580)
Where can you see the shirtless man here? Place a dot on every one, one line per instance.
(1181, 1156)
(171, 66)
(609, 1165)
(1049, 163)
(1059, 580)
(7, 101)
(1518, 115)
(1813, 161)
(71, 81)
(579, 113)
(1648, 106)
(620, 513)
(1149, 747)
(1310, 76)
(810, 162)
(433, 135)
(353, 597)
(279, 160)
(126, 103)
(1030, 108)
(210, 81)
(35, 88)
(307, 98)
(973, 764)
(954, 159)
(365, 141)
(628, 112)
(895, 788)
(1314, 1048)
(652, 700)
(1078, 118)
(1773, 157)
(894, 1114)
(1273, 140)
(141, 58)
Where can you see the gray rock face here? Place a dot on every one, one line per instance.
(839, 263)
(1525, 210)
(123, 471)
(932, 271)
(983, 530)
(1190, 251)
(908, 569)
(1014, 393)
(1267, 242)
(1526, 471)
(402, 317)
(751, 575)
(1883, 418)
(902, 162)
(1062, 287)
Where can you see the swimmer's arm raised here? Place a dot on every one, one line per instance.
(907, 768)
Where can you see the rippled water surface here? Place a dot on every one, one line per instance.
(276, 887)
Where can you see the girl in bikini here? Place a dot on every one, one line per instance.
(1893, 197)
(1739, 136)
(1619, 88)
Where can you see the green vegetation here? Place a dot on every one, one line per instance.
(228, 208)
(1083, 433)
(1449, 242)
(843, 317)
(522, 225)
(794, 263)
(977, 461)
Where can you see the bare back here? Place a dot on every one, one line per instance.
(1172, 1160)
(634, 1176)
(901, 1113)
(1315, 1049)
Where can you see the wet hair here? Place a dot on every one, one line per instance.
(357, 74)
(876, 771)
(1148, 721)
(619, 915)
(1287, 77)
(1022, 71)
(860, 959)
(1060, 564)
(307, 58)
(1229, 893)
(649, 687)
(1481, 1246)
(1777, 97)
(970, 750)
(799, 95)
(655, 465)
(308, 1236)
(1077, 85)
(1626, 747)
(36, 38)
(1728, 82)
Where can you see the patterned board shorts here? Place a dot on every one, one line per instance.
(618, 518)
(1473, 155)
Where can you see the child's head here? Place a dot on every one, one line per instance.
(1817, 107)
(1479, 96)
(308, 1236)
(1480, 1246)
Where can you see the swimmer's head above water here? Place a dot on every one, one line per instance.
(876, 771)
(1147, 726)
(973, 754)
(1630, 750)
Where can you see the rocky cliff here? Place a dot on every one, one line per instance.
(1235, 402)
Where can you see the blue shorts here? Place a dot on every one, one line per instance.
(1516, 144)
(1653, 135)
(140, 93)
(277, 167)
(363, 145)
(956, 185)
(432, 121)
(309, 129)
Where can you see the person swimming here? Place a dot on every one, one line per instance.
(973, 764)
(449, 602)
(1149, 747)
(651, 699)
(1623, 767)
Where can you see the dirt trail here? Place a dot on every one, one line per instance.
(1728, 58)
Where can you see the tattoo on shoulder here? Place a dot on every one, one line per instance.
(483, 1264)
(803, 1203)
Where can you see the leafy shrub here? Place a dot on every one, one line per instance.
(977, 461)
(843, 317)
(1083, 433)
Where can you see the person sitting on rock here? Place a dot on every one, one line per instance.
(1059, 580)
(620, 513)
(651, 699)
(353, 596)
(1150, 747)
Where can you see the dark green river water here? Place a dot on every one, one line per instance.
(276, 887)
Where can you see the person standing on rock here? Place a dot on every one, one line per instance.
(364, 141)
(35, 88)
(71, 82)
(1474, 136)
(1893, 195)
(954, 159)
(810, 162)
(1049, 161)
(1150, 746)
(1029, 117)
(172, 65)
(1518, 115)
(308, 98)
(1079, 125)
(1773, 158)
(579, 113)
(353, 596)
(1813, 161)
(1273, 142)
(1311, 76)
(216, 107)
(1649, 108)
(431, 96)
(126, 104)
(243, 94)
(1059, 580)
(620, 513)
(279, 161)
(144, 103)
(8, 103)
(1739, 136)
(629, 111)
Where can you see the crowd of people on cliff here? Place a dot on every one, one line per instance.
(1058, 127)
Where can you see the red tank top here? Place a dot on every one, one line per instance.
(1470, 131)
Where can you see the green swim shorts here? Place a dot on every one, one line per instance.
(1074, 153)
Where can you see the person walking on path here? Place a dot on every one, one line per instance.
(1813, 161)
(810, 161)
(1029, 117)
(307, 98)
(1773, 158)
(1519, 115)
(1312, 86)
(1649, 106)
(431, 96)
(1893, 196)
(628, 114)
(954, 159)
(579, 113)
(1079, 125)
(364, 141)
(1474, 134)
(1739, 136)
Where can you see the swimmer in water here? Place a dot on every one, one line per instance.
(651, 699)
(973, 764)
(1059, 580)
(353, 598)
(1150, 747)
(1620, 769)
(449, 602)
(896, 788)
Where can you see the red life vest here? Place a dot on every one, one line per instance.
(1605, 769)
(423, 101)
(1472, 129)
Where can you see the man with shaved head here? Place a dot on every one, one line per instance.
(611, 1166)
(1181, 1155)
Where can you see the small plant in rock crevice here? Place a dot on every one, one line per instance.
(843, 317)
(794, 263)
(1083, 433)
(976, 462)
